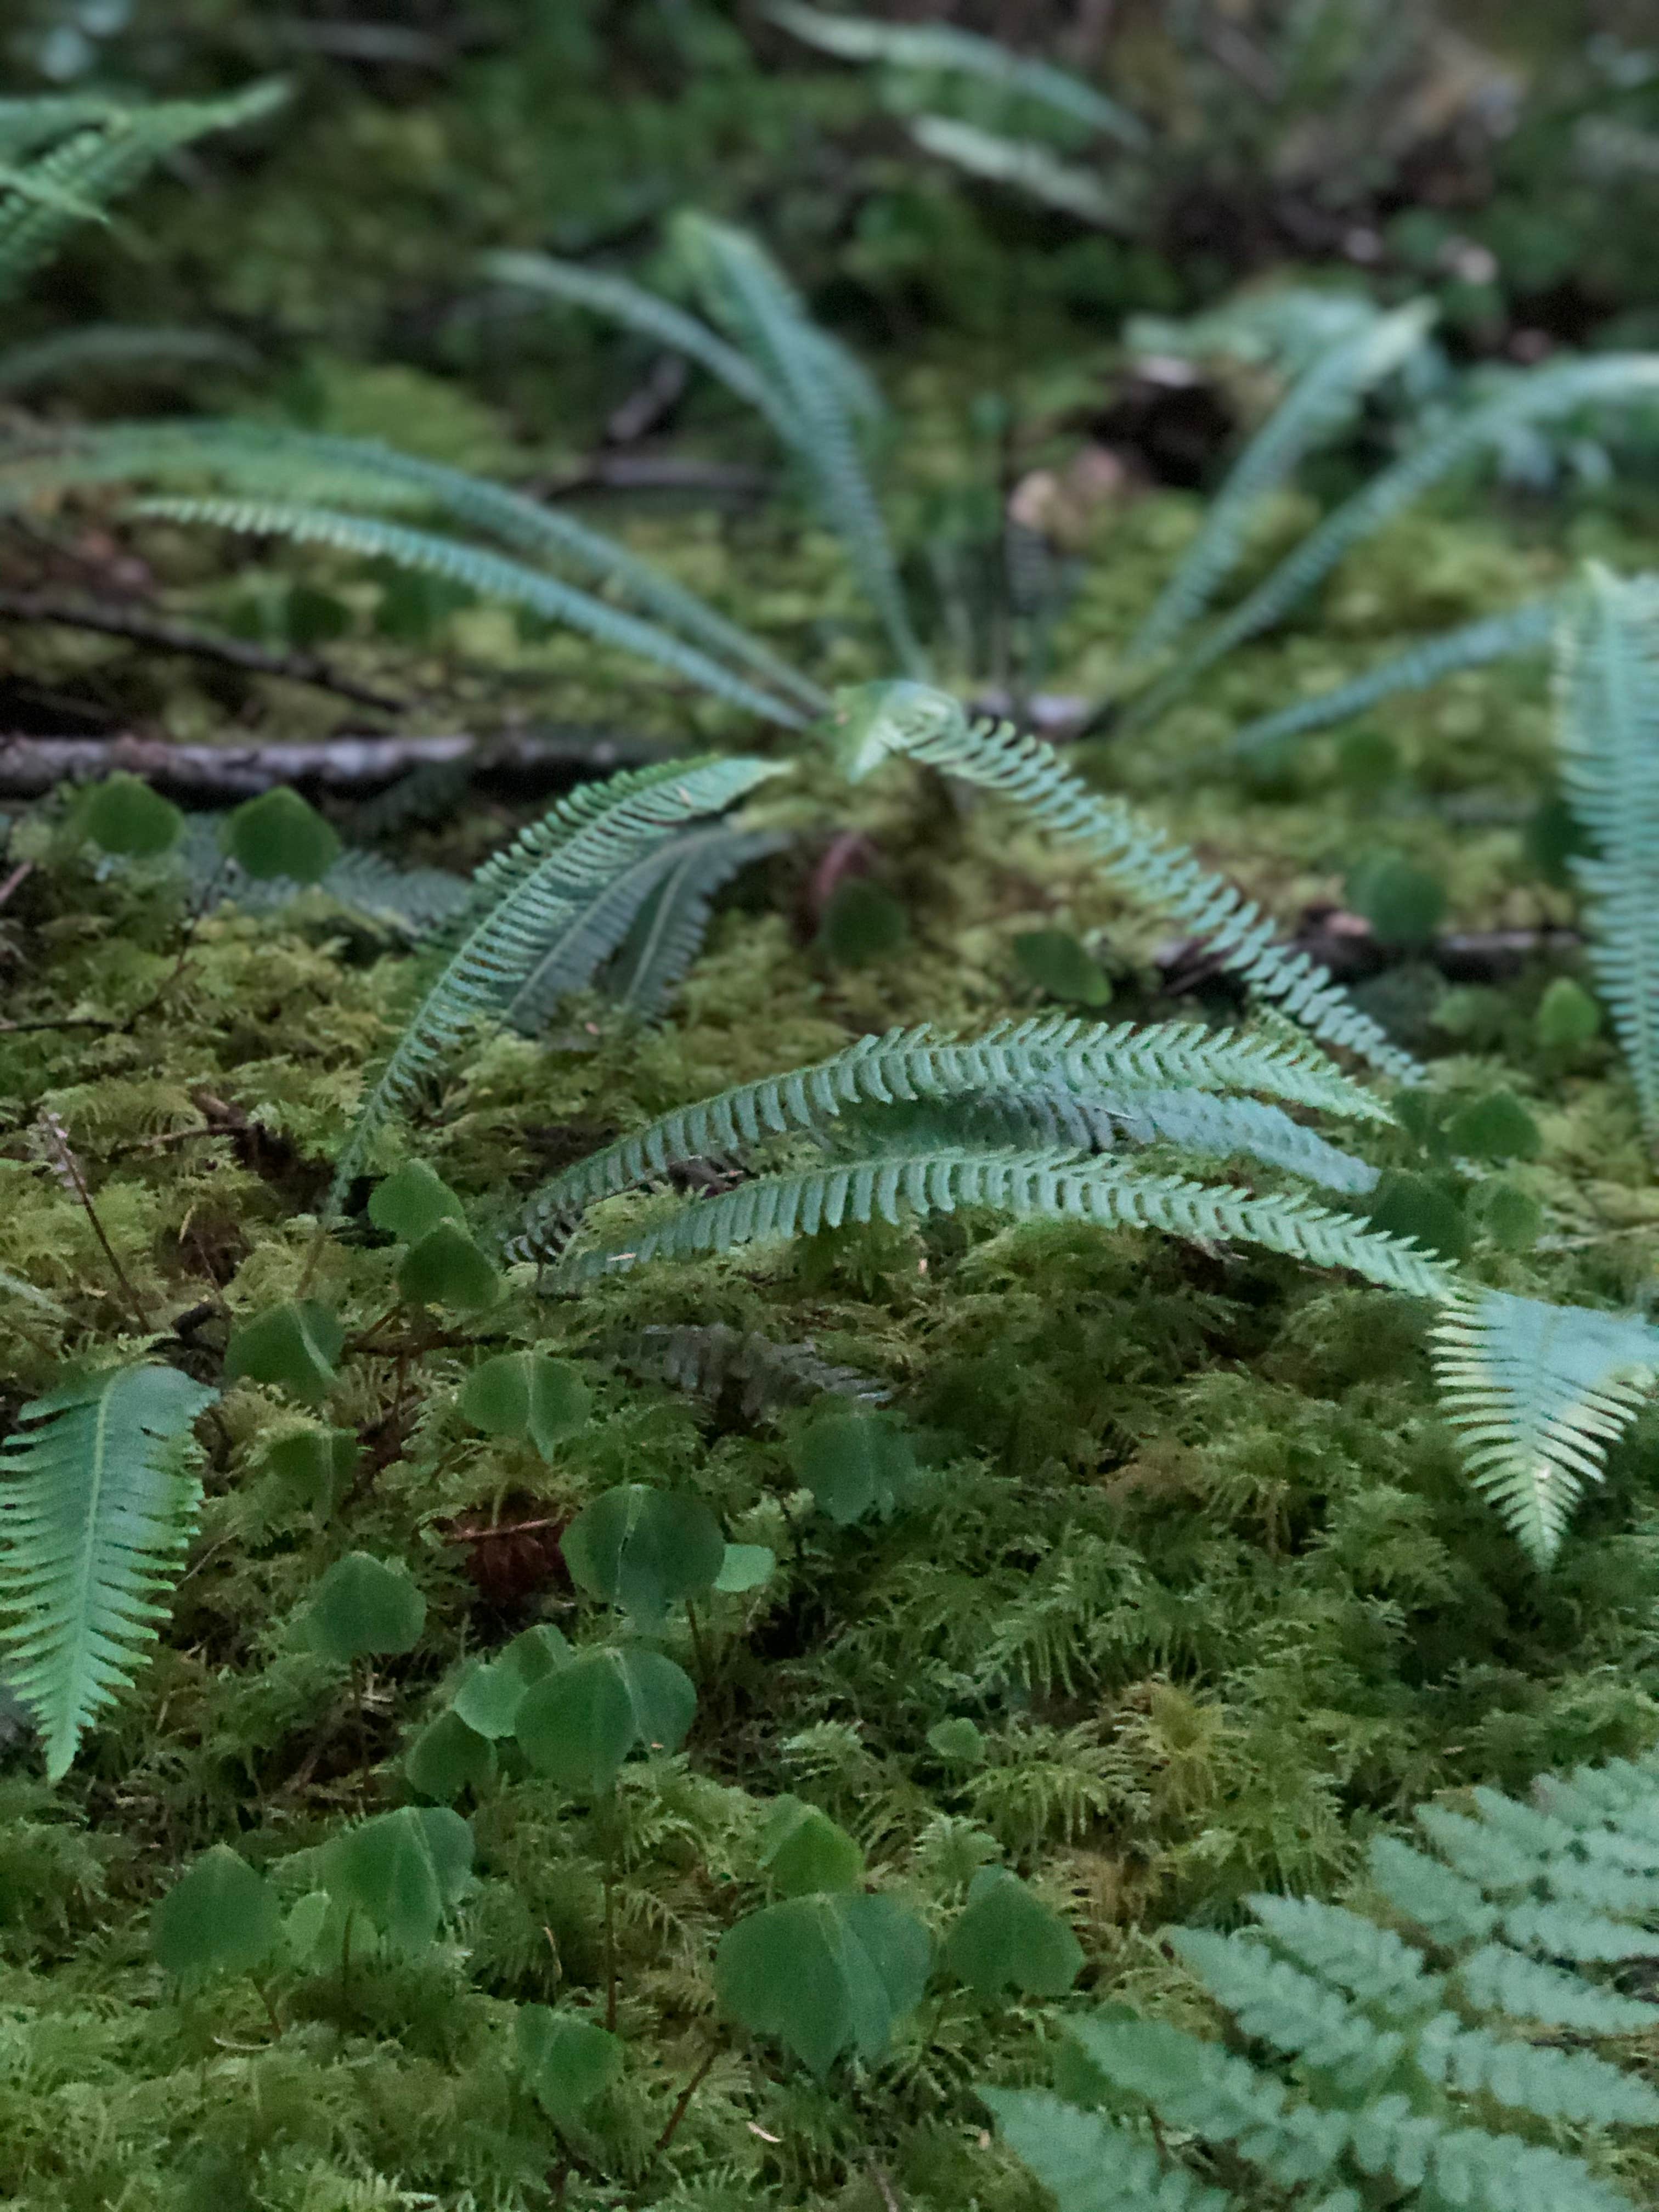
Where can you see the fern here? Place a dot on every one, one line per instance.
(877, 720)
(1539, 1392)
(1383, 2075)
(708, 1359)
(410, 901)
(671, 924)
(942, 48)
(1320, 405)
(97, 1502)
(119, 347)
(525, 898)
(1607, 725)
(478, 570)
(1028, 167)
(1526, 628)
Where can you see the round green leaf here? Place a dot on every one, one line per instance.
(446, 1268)
(318, 1463)
(804, 1850)
(525, 1393)
(1567, 1015)
(824, 1974)
(449, 1757)
(578, 1725)
(124, 816)
(852, 1462)
(403, 1871)
(1403, 904)
(644, 1549)
(302, 1930)
(1005, 1938)
(745, 1567)
(221, 1918)
(279, 834)
(1367, 761)
(1426, 1207)
(958, 1741)
(1056, 963)
(1512, 1217)
(565, 2061)
(862, 923)
(411, 1203)
(487, 1701)
(293, 1347)
(1495, 1127)
(363, 1605)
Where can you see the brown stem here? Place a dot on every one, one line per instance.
(610, 1947)
(699, 1650)
(69, 1170)
(269, 2003)
(683, 2101)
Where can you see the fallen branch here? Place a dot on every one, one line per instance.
(220, 775)
(110, 621)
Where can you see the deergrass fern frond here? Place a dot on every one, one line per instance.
(1382, 2070)
(930, 726)
(1608, 740)
(121, 347)
(673, 919)
(526, 899)
(1028, 167)
(97, 1502)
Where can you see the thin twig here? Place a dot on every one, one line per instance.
(68, 1170)
(109, 621)
(19, 876)
(683, 2101)
(885, 2188)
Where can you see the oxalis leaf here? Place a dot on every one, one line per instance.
(362, 1605)
(578, 1724)
(221, 1918)
(565, 2061)
(293, 1347)
(1006, 1937)
(403, 1871)
(804, 1850)
(824, 1974)
(488, 1699)
(644, 1550)
(525, 1393)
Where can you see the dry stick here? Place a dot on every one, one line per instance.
(683, 2101)
(109, 620)
(19, 875)
(68, 1172)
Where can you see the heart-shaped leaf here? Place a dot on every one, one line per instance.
(577, 1726)
(488, 1699)
(364, 1605)
(124, 816)
(1404, 904)
(525, 1393)
(862, 923)
(221, 1918)
(644, 1549)
(1006, 1937)
(1497, 1126)
(824, 1974)
(1567, 1015)
(447, 1756)
(565, 2061)
(804, 1850)
(852, 1463)
(403, 1871)
(411, 1203)
(958, 1740)
(293, 1347)
(446, 1268)
(745, 1567)
(318, 1463)
(1057, 963)
(279, 834)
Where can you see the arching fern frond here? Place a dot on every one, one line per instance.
(1027, 167)
(1608, 738)
(489, 573)
(121, 347)
(1048, 1185)
(709, 1359)
(1319, 407)
(1538, 1393)
(97, 1499)
(521, 900)
(879, 719)
(668, 933)
(1526, 628)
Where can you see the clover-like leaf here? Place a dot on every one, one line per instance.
(1404, 904)
(824, 1974)
(644, 1549)
(958, 1740)
(745, 1567)
(852, 1462)
(293, 1347)
(862, 923)
(447, 1756)
(220, 1919)
(804, 1850)
(1058, 964)
(124, 816)
(1496, 1127)
(563, 2060)
(578, 1725)
(446, 1268)
(1567, 1015)
(1006, 1937)
(364, 1605)
(525, 1393)
(318, 1463)
(278, 834)
(489, 1696)
(411, 1203)
(403, 1871)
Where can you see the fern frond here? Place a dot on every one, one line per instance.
(1297, 2014)
(1027, 1185)
(488, 574)
(1494, 1978)
(752, 298)
(1317, 409)
(1556, 2085)
(930, 726)
(1542, 395)
(668, 932)
(523, 899)
(1538, 1393)
(941, 48)
(1371, 1965)
(1090, 2163)
(1049, 1054)
(1026, 167)
(706, 1360)
(410, 901)
(1526, 628)
(97, 1502)
(1608, 738)
(1228, 1128)
(118, 346)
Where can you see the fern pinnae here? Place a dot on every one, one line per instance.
(520, 900)
(671, 926)
(596, 925)
(118, 346)
(1318, 407)
(876, 719)
(97, 1503)
(1523, 630)
(1026, 167)
(489, 573)
(1607, 741)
